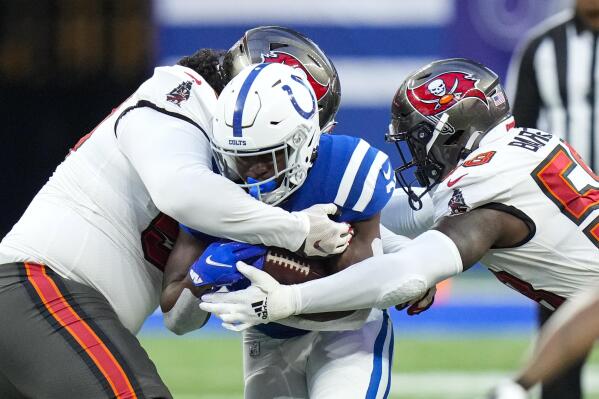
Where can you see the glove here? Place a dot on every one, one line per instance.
(325, 237)
(508, 390)
(264, 301)
(419, 305)
(216, 266)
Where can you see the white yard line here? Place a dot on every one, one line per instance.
(441, 385)
(448, 384)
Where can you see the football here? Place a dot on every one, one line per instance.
(289, 268)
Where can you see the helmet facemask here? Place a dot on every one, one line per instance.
(427, 171)
(289, 161)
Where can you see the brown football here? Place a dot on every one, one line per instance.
(289, 268)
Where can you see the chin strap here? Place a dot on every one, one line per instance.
(472, 144)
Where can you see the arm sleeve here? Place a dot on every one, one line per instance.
(398, 217)
(383, 281)
(186, 315)
(173, 159)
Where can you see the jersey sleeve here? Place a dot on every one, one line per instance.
(179, 92)
(175, 167)
(366, 185)
(482, 179)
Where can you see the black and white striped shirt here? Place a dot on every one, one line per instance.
(552, 83)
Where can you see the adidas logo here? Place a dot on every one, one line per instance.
(260, 308)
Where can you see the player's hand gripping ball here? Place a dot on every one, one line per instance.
(217, 265)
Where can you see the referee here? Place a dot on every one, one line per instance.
(554, 79)
(554, 84)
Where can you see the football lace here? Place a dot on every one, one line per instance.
(280, 259)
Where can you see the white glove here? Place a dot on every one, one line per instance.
(325, 237)
(508, 390)
(264, 301)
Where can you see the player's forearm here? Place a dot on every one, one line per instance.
(385, 280)
(173, 160)
(567, 337)
(185, 316)
(219, 208)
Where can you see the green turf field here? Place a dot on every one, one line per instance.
(424, 368)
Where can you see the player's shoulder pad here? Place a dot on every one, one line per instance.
(490, 173)
(364, 176)
(479, 180)
(179, 90)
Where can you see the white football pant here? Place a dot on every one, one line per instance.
(320, 365)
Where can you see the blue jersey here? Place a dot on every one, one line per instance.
(348, 172)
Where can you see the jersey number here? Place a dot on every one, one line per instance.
(480, 159)
(158, 239)
(553, 178)
(545, 298)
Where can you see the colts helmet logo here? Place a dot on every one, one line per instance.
(442, 92)
(280, 57)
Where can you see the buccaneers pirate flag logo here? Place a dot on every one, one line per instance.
(443, 91)
(180, 93)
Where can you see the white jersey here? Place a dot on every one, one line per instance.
(94, 221)
(541, 180)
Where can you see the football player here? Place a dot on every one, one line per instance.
(267, 139)
(82, 268)
(269, 44)
(519, 200)
(566, 338)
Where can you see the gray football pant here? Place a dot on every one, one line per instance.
(62, 339)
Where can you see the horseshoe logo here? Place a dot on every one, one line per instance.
(304, 114)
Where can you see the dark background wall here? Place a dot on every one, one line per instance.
(64, 64)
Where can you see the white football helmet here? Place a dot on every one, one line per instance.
(267, 114)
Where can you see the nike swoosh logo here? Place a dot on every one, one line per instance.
(215, 263)
(199, 82)
(454, 181)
